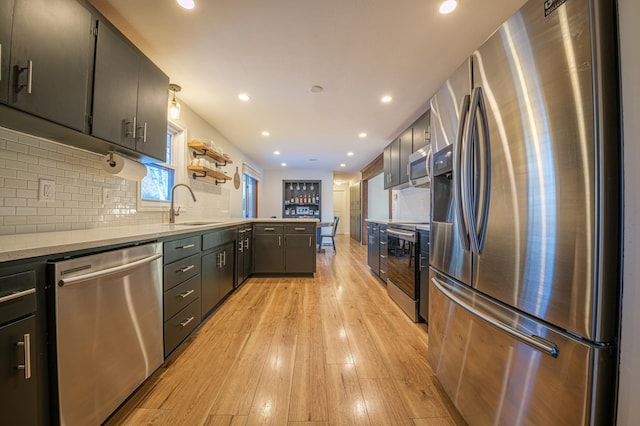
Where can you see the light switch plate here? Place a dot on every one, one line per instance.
(46, 190)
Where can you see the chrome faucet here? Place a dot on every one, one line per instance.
(172, 211)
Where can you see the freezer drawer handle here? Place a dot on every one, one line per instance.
(533, 340)
(109, 271)
(17, 295)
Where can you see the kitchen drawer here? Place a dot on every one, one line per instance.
(180, 326)
(181, 295)
(179, 271)
(218, 238)
(267, 228)
(306, 228)
(178, 249)
(383, 268)
(11, 286)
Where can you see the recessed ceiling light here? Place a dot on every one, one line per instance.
(244, 97)
(276, 152)
(350, 154)
(187, 4)
(283, 164)
(316, 89)
(343, 165)
(265, 133)
(448, 6)
(362, 135)
(386, 99)
(313, 159)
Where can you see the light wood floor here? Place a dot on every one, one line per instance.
(328, 350)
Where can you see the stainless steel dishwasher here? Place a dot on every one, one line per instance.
(108, 310)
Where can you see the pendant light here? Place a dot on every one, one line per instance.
(174, 106)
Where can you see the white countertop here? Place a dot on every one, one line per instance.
(399, 222)
(23, 246)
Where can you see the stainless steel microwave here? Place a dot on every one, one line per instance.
(419, 167)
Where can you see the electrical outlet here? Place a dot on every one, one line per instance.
(107, 195)
(46, 190)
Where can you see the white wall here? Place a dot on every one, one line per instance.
(629, 389)
(378, 198)
(270, 191)
(411, 204)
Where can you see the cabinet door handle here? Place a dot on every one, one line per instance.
(188, 246)
(186, 322)
(309, 241)
(246, 244)
(186, 294)
(187, 268)
(144, 132)
(26, 344)
(17, 295)
(132, 133)
(224, 258)
(29, 84)
(279, 241)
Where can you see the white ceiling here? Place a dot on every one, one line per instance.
(275, 50)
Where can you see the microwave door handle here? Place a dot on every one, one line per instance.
(457, 175)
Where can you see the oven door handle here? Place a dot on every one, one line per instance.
(404, 235)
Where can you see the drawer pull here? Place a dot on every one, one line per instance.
(299, 229)
(269, 229)
(186, 322)
(383, 256)
(187, 268)
(27, 356)
(17, 295)
(186, 294)
(187, 246)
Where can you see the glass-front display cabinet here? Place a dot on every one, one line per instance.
(301, 199)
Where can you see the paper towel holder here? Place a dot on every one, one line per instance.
(110, 160)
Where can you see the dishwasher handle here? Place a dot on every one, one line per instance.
(109, 271)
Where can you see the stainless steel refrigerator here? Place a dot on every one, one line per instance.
(525, 234)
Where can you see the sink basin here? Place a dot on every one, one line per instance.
(197, 223)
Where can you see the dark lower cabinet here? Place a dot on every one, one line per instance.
(423, 271)
(373, 247)
(217, 276)
(24, 389)
(17, 384)
(51, 63)
(300, 255)
(244, 253)
(287, 248)
(383, 252)
(268, 255)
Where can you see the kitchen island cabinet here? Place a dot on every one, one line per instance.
(51, 60)
(287, 248)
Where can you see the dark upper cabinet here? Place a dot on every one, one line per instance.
(391, 159)
(6, 19)
(130, 96)
(51, 60)
(115, 88)
(406, 148)
(422, 131)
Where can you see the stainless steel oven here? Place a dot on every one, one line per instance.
(402, 283)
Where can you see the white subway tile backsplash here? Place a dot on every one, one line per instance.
(79, 181)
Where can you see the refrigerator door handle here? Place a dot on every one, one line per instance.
(459, 193)
(478, 214)
(537, 342)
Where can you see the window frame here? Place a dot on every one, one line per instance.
(176, 164)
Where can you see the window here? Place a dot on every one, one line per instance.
(155, 188)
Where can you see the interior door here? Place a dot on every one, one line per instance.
(535, 74)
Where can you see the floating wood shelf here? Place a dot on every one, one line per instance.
(200, 172)
(202, 149)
